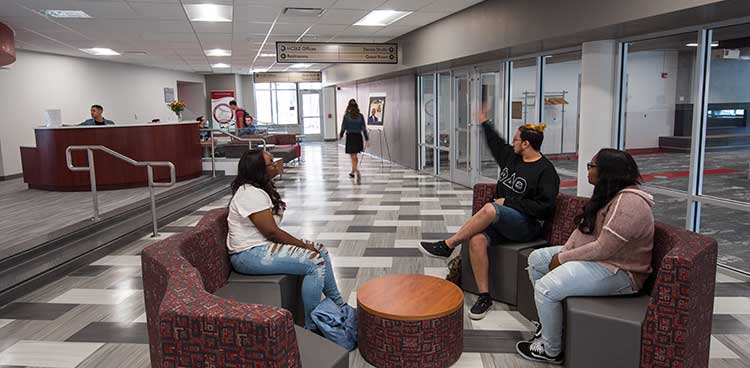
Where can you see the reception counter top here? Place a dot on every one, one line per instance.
(45, 167)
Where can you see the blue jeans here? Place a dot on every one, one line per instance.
(292, 260)
(247, 130)
(510, 224)
(576, 278)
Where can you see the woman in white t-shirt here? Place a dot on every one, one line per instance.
(258, 246)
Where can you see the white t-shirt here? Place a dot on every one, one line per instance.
(243, 234)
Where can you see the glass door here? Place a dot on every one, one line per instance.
(310, 114)
(443, 136)
(460, 152)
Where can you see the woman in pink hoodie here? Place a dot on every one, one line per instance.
(609, 253)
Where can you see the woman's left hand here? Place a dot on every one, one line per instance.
(554, 263)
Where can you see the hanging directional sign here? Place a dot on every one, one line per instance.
(324, 52)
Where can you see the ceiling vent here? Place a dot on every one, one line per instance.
(303, 12)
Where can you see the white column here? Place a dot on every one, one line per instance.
(329, 114)
(598, 91)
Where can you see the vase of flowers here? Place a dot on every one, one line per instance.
(177, 107)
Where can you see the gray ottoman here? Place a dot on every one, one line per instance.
(277, 290)
(316, 351)
(503, 259)
(604, 331)
(525, 292)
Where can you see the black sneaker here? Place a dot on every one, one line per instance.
(537, 332)
(351, 174)
(534, 351)
(480, 308)
(436, 249)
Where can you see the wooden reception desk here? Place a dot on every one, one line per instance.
(45, 167)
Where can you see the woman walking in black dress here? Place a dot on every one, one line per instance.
(354, 127)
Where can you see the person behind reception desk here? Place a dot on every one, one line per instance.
(239, 115)
(204, 134)
(96, 117)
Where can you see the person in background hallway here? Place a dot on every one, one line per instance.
(354, 127)
(239, 115)
(258, 246)
(96, 117)
(525, 195)
(609, 253)
(203, 135)
(250, 127)
(373, 118)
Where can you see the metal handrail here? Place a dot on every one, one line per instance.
(236, 137)
(149, 170)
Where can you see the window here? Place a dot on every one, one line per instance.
(658, 108)
(523, 93)
(276, 103)
(562, 75)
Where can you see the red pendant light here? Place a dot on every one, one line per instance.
(7, 46)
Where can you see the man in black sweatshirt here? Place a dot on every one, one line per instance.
(524, 197)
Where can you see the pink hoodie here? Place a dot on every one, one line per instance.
(623, 237)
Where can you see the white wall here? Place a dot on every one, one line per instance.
(329, 114)
(729, 81)
(194, 96)
(650, 98)
(128, 93)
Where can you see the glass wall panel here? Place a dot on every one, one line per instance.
(730, 228)
(658, 107)
(444, 110)
(523, 92)
(562, 76)
(427, 107)
(727, 142)
(491, 100)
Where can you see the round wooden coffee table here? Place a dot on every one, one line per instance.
(410, 321)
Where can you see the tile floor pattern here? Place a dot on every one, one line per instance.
(94, 317)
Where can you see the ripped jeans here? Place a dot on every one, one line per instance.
(288, 259)
(575, 278)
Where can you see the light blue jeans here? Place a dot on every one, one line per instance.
(576, 278)
(288, 259)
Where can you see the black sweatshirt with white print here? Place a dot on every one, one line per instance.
(529, 187)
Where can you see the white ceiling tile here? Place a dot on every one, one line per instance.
(254, 13)
(172, 11)
(342, 16)
(420, 18)
(36, 23)
(358, 4)
(450, 6)
(287, 29)
(327, 29)
(357, 31)
(212, 27)
(247, 28)
(325, 4)
(11, 9)
(187, 37)
(410, 5)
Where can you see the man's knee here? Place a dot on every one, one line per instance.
(478, 242)
(488, 210)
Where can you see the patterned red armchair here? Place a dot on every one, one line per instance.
(677, 300)
(190, 327)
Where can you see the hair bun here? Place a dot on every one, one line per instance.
(535, 127)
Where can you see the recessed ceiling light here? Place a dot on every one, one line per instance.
(381, 17)
(220, 66)
(209, 12)
(268, 55)
(218, 52)
(100, 51)
(299, 66)
(66, 13)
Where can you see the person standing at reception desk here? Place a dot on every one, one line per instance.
(96, 117)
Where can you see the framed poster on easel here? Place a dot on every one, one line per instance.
(376, 110)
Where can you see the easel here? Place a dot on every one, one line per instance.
(382, 137)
